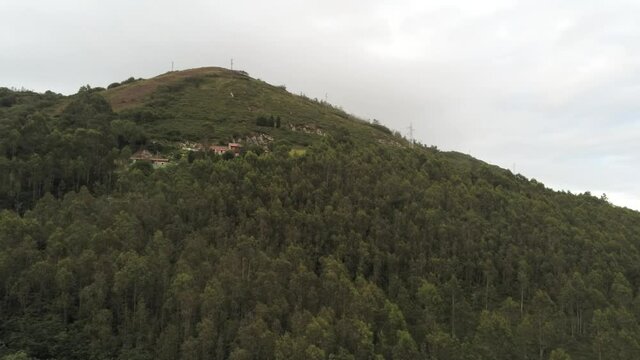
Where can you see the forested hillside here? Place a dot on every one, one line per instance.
(327, 238)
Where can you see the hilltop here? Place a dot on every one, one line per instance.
(327, 237)
(224, 105)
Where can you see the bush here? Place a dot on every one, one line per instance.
(128, 81)
(142, 115)
(194, 81)
(376, 125)
(125, 82)
(8, 101)
(228, 155)
(270, 121)
(145, 167)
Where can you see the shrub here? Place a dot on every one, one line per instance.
(128, 81)
(265, 121)
(144, 166)
(270, 121)
(8, 100)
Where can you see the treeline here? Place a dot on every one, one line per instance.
(346, 252)
(42, 153)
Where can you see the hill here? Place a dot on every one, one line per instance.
(355, 245)
(222, 105)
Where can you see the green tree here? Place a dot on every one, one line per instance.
(405, 348)
(559, 354)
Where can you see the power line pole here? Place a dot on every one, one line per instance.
(171, 65)
(231, 63)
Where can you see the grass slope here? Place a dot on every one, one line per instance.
(221, 105)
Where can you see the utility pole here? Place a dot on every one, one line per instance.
(171, 65)
(231, 63)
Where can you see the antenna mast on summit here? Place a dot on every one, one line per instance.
(231, 63)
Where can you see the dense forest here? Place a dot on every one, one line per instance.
(349, 249)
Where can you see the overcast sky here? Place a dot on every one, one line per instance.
(550, 87)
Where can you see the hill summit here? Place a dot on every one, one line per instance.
(224, 105)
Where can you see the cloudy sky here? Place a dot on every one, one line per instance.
(551, 88)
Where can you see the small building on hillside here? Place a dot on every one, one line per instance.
(145, 155)
(219, 150)
(235, 147)
(231, 147)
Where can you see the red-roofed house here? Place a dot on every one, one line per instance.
(232, 147)
(218, 149)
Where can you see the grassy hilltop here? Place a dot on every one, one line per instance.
(222, 104)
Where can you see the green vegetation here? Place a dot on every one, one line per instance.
(270, 121)
(125, 82)
(297, 152)
(222, 105)
(342, 243)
